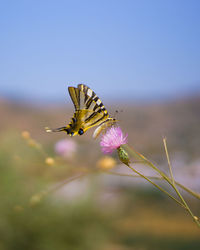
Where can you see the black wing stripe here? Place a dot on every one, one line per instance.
(86, 98)
(89, 103)
(82, 99)
(95, 107)
(86, 102)
(90, 117)
(96, 99)
(102, 110)
(74, 96)
(78, 96)
(98, 120)
(93, 95)
(92, 105)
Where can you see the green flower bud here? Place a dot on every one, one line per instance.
(123, 155)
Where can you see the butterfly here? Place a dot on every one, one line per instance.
(89, 112)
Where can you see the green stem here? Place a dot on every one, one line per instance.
(186, 206)
(65, 182)
(196, 195)
(168, 161)
(164, 176)
(161, 189)
(176, 189)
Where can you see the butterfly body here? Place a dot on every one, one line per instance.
(89, 112)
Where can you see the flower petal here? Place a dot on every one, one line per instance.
(113, 139)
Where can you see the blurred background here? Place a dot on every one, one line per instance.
(142, 58)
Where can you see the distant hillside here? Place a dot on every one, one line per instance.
(146, 124)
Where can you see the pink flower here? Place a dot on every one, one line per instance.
(112, 140)
(66, 148)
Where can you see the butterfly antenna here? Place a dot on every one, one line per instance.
(115, 115)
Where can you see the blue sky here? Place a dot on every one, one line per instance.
(137, 49)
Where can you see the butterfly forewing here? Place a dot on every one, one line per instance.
(74, 94)
(93, 103)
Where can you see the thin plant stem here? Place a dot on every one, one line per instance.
(176, 189)
(154, 184)
(138, 155)
(169, 163)
(65, 182)
(196, 195)
(44, 193)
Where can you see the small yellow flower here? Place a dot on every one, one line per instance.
(49, 161)
(32, 143)
(18, 208)
(25, 134)
(106, 162)
(35, 199)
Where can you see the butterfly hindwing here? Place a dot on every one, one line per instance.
(103, 126)
(96, 118)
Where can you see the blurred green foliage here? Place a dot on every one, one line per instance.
(49, 224)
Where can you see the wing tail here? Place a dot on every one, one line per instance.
(56, 129)
(103, 127)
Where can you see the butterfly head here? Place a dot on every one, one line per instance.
(68, 130)
(79, 132)
(72, 132)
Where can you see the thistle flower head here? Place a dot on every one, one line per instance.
(112, 140)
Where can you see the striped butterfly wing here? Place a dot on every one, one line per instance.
(89, 112)
(88, 103)
(103, 127)
(97, 112)
(75, 96)
(84, 98)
